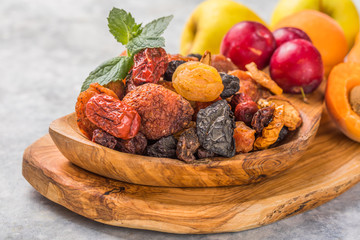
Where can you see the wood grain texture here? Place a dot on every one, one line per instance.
(238, 170)
(329, 167)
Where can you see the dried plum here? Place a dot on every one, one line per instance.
(231, 85)
(215, 128)
(136, 145)
(203, 153)
(195, 55)
(187, 145)
(164, 148)
(103, 138)
(171, 69)
(262, 118)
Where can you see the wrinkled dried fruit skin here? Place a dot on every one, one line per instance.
(167, 85)
(191, 124)
(113, 116)
(164, 148)
(231, 85)
(103, 138)
(187, 145)
(163, 112)
(172, 57)
(201, 105)
(283, 133)
(292, 117)
(149, 65)
(271, 132)
(215, 129)
(247, 85)
(136, 145)
(238, 98)
(171, 69)
(244, 138)
(117, 87)
(262, 118)
(203, 153)
(245, 111)
(222, 63)
(85, 125)
(196, 81)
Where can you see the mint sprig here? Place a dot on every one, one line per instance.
(123, 27)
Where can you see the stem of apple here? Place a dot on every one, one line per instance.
(303, 95)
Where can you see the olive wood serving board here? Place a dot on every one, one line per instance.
(239, 170)
(330, 166)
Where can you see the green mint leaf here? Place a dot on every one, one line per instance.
(141, 42)
(109, 71)
(122, 25)
(156, 27)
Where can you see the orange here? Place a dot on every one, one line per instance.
(325, 33)
(354, 54)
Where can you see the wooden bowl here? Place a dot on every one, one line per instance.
(238, 170)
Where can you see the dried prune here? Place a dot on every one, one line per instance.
(163, 112)
(85, 125)
(244, 138)
(231, 85)
(271, 132)
(245, 111)
(262, 118)
(171, 69)
(222, 63)
(149, 65)
(215, 128)
(187, 145)
(196, 81)
(103, 138)
(136, 145)
(284, 131)
(195, 55)
(203, 153)
(165, 148)
(113, 116)
(201, 105)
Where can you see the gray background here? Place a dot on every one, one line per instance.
(47, 48)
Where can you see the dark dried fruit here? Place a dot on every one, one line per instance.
(171, 69)
(262, 118)
(215, 129)
(113, 116)
(103, 138)
(129, 83)
(203, 153)
(231, 85)
(284, 131)
(187, 145)
(222, 63)
(149, 65)
(245, 111)
(136, 145)
(85, 125)
(163, 112)
(164, 148)
(244, 138)
(195, 55)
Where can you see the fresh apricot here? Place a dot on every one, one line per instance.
(325, 33)
(354, 54)
(342, 98)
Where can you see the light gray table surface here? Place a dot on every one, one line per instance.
(47, 48)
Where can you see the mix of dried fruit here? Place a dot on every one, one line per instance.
(185, 107)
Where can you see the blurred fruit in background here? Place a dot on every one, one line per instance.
(296, 65)
(342, 11)
(324, 32)
(285, 34)
(248, 42)
(342, 98)
(354, 54)
(209, 23)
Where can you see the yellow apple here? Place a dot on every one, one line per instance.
(209, 23)
(342, 11)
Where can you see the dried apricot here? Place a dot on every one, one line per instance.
(85, 125)
(199, 82)
(244, 138)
